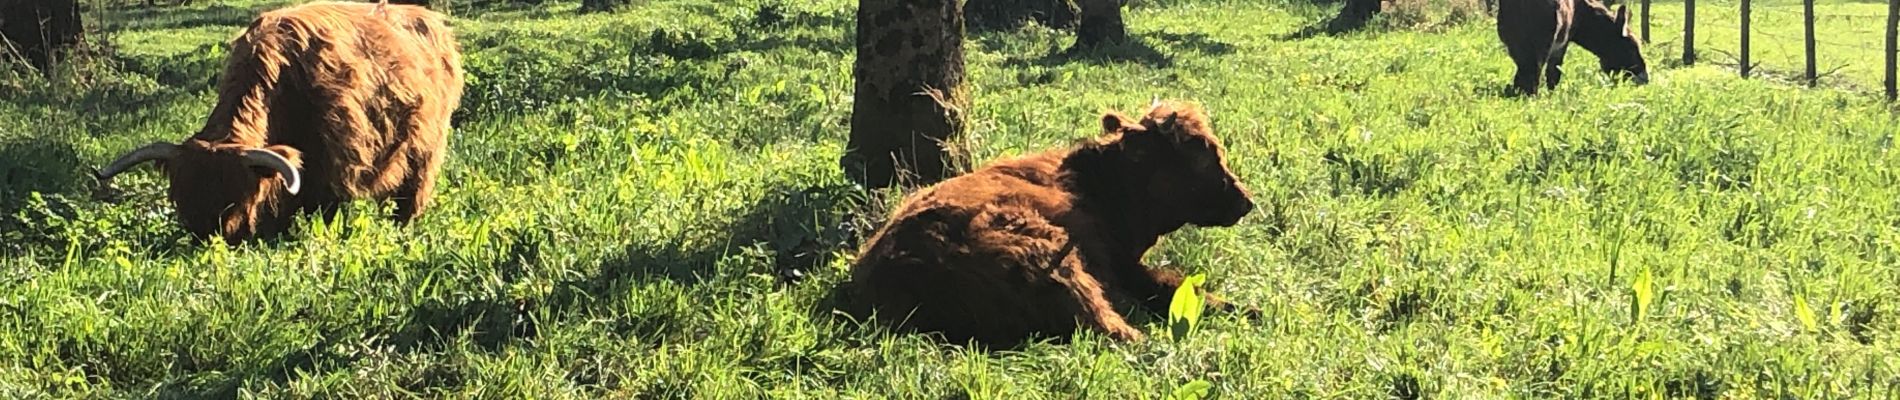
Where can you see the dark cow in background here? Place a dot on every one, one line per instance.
(319, 104)
(1537, 33)
(1037, 245)
(40, 31)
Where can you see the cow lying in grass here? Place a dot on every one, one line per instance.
(1036, 245)
(319, 104)
(1536, 33)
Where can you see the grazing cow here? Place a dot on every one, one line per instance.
(1036, 245)
(319, 104)
(1537, 32)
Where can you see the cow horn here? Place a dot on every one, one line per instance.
(293, 180)
(154, 151)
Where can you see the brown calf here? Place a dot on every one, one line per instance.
(1036, 245)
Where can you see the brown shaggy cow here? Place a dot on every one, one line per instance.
(1036, 245)
(1537, 32)
(319, 104)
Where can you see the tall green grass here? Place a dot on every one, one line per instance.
(628, 191)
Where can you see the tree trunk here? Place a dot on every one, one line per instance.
(909, 105)
(1101, 23)
(1006, 14)
(41, 31)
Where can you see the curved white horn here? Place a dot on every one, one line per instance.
(269, 159)
(154, 151)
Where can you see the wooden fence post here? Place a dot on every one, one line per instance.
(1807, 7)
(1688, 32)
(1645, 21)
(1745, 65)
(1893, 45)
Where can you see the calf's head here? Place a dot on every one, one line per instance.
(1175, 165)
(219, 189)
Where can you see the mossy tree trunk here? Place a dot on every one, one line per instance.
(1101, 23)
(41, 31)
(909, 104)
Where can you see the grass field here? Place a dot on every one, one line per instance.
(620, 206)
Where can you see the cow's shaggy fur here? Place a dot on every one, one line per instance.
(1536, 34)
(357, 95)
(1036, 245)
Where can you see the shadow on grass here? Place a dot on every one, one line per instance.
(1341, 23)
(44, 166)
(1132, 50)
(1145, 49)
(183, 17)
(802, 227)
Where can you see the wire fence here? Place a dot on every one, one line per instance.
(1834, 43)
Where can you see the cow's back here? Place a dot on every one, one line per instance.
(380, 83)
(1528, 26)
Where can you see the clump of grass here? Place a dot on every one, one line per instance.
(620, 222)
(1431, 15)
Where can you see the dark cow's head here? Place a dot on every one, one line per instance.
(1608, 36)
(230, 190)
(1179, 166)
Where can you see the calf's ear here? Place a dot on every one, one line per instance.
(1622, 15)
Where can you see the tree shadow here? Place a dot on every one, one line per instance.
(772, 27)
(183, 17)
(1194, 41)
(489, 322)
(1343, 22)
(44, 166)
(1131, 50)
(1145, 49)
(801, 226)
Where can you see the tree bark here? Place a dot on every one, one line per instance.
(1101, 23)
(908, 111)
(41, 31)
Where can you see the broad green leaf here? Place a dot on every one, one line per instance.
(1645, 290)
(1194, 390)
(1805, 313)
(1184, 311)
